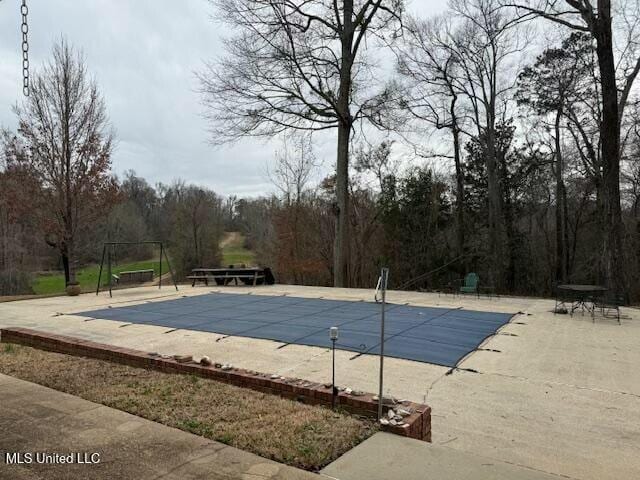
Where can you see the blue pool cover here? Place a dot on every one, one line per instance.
(435, 335)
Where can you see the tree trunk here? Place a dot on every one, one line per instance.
(565, 222)
(194, 232)
(455, 131)
(69, 225)
(494, 207)
(612, 252)
(298, 274)
(601, 233)
(561, 199)
(507, 217)
(341, 243)
(71, 255)
(4, 251)
(341, 246)
(64, 255)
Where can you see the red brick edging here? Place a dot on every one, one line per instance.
(416, 425)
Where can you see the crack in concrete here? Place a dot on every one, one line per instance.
(553, 382)
(448, 372)
(498, 460)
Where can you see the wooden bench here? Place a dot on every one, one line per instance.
(134, 276)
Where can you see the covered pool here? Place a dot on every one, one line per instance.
(426, 334)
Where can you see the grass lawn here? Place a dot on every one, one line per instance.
(301, 435)
(88, 277)
(233, 250)
(233, 253)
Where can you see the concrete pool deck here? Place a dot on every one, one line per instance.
(552, 393)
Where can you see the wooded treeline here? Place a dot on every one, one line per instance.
(478, 147)
(60, 201)
(189, 220)
(541, 151)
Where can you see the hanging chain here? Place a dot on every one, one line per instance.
(24, 10)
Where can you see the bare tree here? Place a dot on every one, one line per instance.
(430, 65)
(295, 164)
(65, 141)
(615, 86)
(194, 227)
(554, 88)
(486, 41)
(300, 64)
(374, 164)
(376, 160)
(18, 251)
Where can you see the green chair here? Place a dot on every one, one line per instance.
(470, 284)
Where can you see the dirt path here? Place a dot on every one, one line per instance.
(166, 280)
(231, 239)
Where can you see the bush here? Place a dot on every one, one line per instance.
(13, 282)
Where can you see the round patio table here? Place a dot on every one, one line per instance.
(580, 296)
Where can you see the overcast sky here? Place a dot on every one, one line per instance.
(143, 54)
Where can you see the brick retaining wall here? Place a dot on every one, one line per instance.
(416, 425)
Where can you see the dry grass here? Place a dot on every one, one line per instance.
(283, 430)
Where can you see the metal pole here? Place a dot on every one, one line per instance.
(173, 277)
(109, 270)
(104, 247)
(160, 269)
(384, 276)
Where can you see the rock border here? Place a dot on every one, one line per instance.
(404, 418)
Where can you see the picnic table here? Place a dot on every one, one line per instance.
(225, 276)
(578, 296)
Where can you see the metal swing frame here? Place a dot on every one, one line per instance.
(106, 252)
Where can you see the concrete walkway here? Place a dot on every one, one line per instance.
(34, 418)
(554, 393)
(385, 456)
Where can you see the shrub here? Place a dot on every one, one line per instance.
(14, 282)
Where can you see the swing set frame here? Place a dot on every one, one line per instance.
(107, 248)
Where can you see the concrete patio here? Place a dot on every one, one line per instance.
(551, 393)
